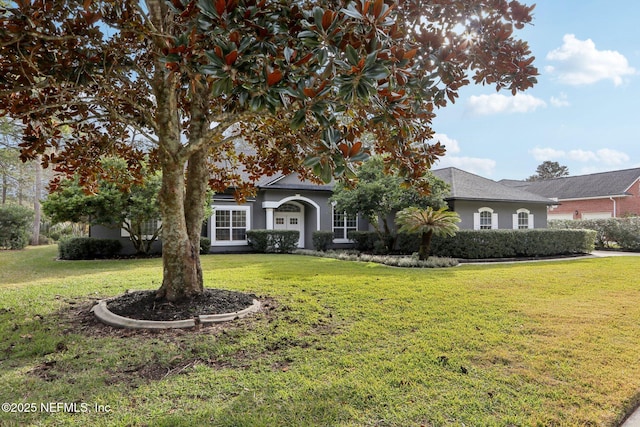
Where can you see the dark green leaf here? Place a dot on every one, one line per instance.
(352, 55)
(298, 120)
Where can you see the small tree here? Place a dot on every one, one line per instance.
(127, 204)
(15, 222)
(380, 192)
(549, 170)
(428, 222)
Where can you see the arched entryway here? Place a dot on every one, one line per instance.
(289, 213)
(290, 216)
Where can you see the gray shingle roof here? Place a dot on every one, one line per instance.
(467, 186)
(604, 184)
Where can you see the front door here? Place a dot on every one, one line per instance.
(290, 216)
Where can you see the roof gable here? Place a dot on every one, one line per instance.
(468, 186)
(292, 182)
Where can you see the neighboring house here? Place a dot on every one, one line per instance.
(286, 202)
(600, 195)
(486, 204)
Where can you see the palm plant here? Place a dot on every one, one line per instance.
(427, 222)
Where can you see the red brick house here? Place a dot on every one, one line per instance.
(612, 194)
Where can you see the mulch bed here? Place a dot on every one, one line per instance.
(143, 305)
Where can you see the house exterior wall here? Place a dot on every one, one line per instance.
(102, 232)
(604, 207)
(318, 215)
(504, 210)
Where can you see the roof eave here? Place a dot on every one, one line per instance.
(480, 199)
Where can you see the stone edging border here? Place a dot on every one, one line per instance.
(105, 316)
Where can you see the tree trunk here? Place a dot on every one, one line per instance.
(35, 235)
(425, 245)
(183, 189)
(182, 274)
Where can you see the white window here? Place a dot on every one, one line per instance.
(522, 219)
(230, 225)
(342, 224)
(485, 219)
(147, 229)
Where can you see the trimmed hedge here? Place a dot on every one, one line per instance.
(280, 241)
(88, 248)
(481, 244)
(322, 240)
(625, 232)
(205, 245)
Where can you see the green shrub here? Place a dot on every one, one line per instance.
(15, 222)
(364, 241)
(322, 240)
(480, 244)
(205, 245)
(88, 248)
(623, 232)
(281, 241)
(408, 243)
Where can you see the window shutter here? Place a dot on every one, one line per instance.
(494, 221)
(476, 221)
(531, 221)
(515, 221)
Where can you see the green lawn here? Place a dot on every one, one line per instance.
(339, 344)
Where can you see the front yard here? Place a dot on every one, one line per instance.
(339, 344)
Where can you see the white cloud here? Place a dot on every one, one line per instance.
(613, 157)
(578, 62)
(543, 154)
(496, 103)
(605, 156)
(480, 166)
(450, 144)
(582, 155)
(561, 101)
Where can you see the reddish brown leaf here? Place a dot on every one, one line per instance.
(221, 5)
(344, 148)
(92, 18)
(327, 19)
(365, 8)
(274, 77)
(410, 54)
(231, 4)
(86, 4)
(178, 49)
(304, 60)
(231, 57)
(218, 51)
(377, 8)
(309, 92)
(355, 149)
(235, 37)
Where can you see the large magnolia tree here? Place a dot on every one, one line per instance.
(300, 81)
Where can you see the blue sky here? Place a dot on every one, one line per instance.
(584, 112)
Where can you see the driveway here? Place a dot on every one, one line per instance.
(614, 253)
